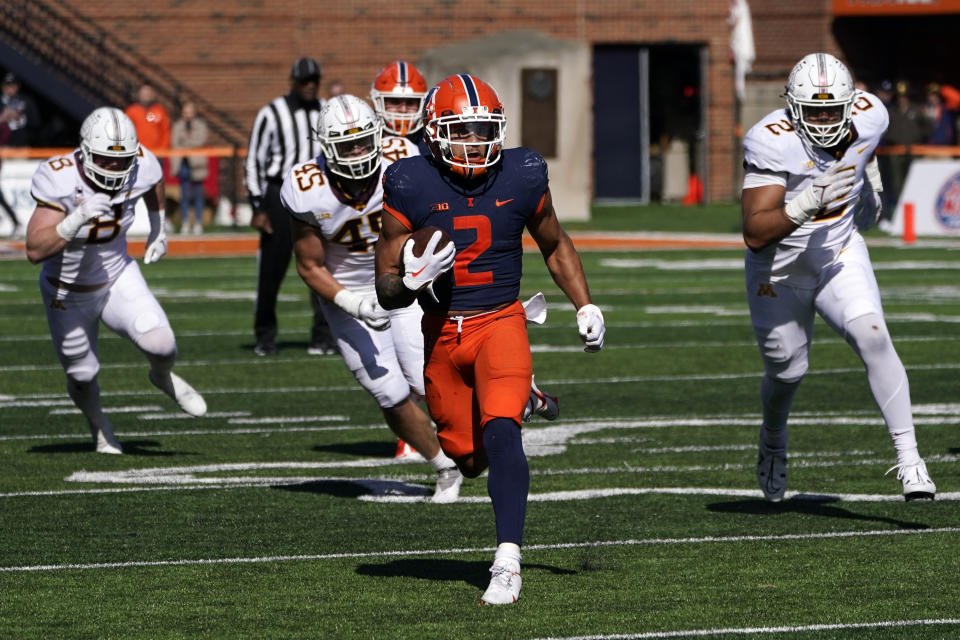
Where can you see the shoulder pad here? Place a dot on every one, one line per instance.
(51, 186)
(291, 197)
(149, 171)
(398, 180)
(870, 114)
(765, 144)
(533, 167)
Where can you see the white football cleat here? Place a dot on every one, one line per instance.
(772, 473)
(917, 484)
(407, 453)
(184, 395)
(448, 486)
(504, 583)
(105, 441)
(541, 404)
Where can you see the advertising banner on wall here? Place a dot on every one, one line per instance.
(933, 188)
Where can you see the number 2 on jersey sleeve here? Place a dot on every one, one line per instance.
(461, 268)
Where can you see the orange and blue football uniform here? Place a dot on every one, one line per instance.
(478, 367)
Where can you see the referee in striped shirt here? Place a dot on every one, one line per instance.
(281, 137)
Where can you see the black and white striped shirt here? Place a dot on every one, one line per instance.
(281, 137)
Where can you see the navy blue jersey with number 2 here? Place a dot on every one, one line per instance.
(486, 222)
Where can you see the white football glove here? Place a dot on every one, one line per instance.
(157, 240)
(870, 206)
(834, 184)
(591, 327)
(362, 308)
(422, 271)
(96, 205)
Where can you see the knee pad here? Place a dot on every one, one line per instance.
(157, 341)
(80, 363)
(501, 437)
(868, 334)
(389, 392)
(784, 354)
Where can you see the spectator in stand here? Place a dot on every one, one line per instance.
(150, 119)
(190, 132)
(941, 109)
(6, 115)
(885, 92)
(19, 113)
(908, 126)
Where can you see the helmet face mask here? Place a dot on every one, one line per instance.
(820, 95)
(349, 134)
(108, 147)
(466, 126)
(398, 94)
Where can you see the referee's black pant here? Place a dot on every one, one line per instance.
(276, 250)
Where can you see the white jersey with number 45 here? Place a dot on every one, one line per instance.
(775, 153)
(349, 231)
(98, 253)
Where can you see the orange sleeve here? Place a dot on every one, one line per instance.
(402, 219)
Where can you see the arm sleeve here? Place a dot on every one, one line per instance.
(256, 155)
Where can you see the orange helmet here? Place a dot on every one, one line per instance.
(465, 124)
(397, 89)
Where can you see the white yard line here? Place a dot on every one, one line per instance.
(462, 551)
(740, 631)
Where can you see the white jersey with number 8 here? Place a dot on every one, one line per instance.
(98, 253)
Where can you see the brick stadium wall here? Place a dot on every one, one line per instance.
(237, 55)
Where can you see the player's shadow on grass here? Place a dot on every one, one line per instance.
(354, 488)
(367, 449)
(473, 573)
(130, 447)
(810, 506)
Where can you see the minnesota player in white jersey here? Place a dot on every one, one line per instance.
(811, 180)
(85, 204)
(336, 202)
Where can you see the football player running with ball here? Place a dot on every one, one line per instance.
(398, 93)
(336, 202)
(85, 204)
(478, 363)
(811, 180)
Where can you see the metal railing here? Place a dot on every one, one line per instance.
(95, 64)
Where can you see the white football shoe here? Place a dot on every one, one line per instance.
(448, 486)
(182, 393)
(541, 404)
(772, 472)
(917, 484)
(504, 583)
(105, 441)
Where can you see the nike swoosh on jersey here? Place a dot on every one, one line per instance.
(863, 148)
(500, 203)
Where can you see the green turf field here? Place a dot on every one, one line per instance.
(282, 514)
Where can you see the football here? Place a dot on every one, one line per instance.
(422, 236)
